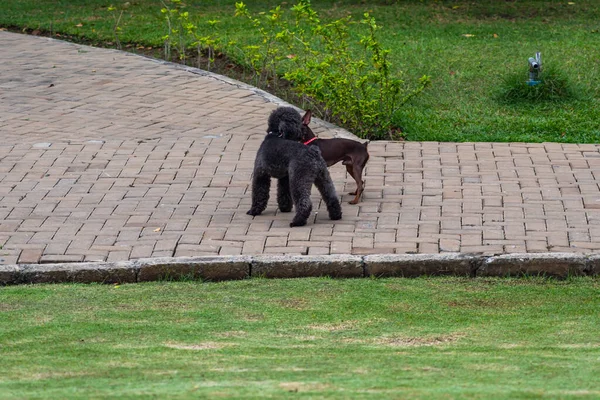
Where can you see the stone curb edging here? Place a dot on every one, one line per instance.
(220, 268)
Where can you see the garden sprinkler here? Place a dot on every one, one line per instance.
(535, 69)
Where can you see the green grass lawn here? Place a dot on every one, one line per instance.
(467, 47)
(311, 338)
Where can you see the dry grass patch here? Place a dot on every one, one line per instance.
(303, 386)
(253, 317)
(233, 334)
(58, 375)
(579, 346)
(232, 370)
(295, 303)
(331, 327)
(481, 303)
(404, 341)
(494, 367)
(199, 346)
(581, 392)
(8, 307)
(342, 326)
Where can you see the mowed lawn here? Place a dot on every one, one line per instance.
(469, 48)
(423, 338)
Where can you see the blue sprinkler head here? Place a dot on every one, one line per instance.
(535, 69)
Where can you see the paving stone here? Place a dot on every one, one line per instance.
(63, 258)
(30, 256)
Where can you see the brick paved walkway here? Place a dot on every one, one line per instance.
(109, 156)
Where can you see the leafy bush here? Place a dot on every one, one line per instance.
(264, 58)
(355, 88)
(316, 57)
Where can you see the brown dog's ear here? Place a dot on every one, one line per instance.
(306, 118)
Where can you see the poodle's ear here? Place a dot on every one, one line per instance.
(306, 118)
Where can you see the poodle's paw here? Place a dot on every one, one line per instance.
(335, 216)
(297, 223)
(253, 212)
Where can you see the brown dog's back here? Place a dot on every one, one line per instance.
(353, 154)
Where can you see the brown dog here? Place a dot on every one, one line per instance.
(353, 154)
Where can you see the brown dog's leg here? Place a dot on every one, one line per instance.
(356, 172)
(358, 194)
(351, 173)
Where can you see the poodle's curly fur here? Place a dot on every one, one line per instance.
(285, 122)
(295, 166)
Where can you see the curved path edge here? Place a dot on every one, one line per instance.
(221, 268)
(335, 130)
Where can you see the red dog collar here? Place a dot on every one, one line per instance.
(310, 141)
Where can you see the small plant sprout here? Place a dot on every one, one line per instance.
(117, 20)
(177, 27)
(209, 42)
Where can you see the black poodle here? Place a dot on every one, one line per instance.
(295, 166)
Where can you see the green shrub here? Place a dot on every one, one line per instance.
(357, 89)
(264, 58)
